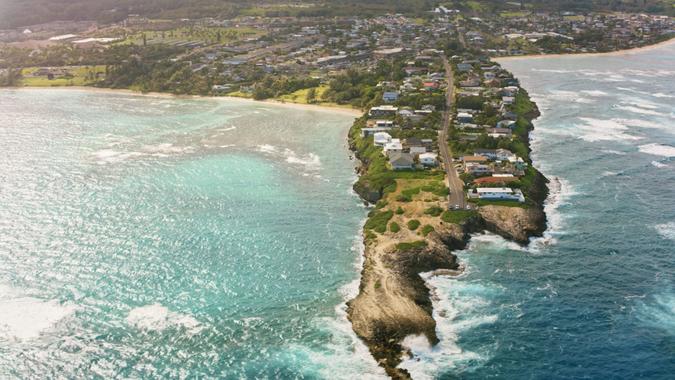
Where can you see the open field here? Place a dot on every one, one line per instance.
(76, 76)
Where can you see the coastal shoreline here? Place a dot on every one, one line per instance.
(299, 106)
(395, 300)
(631, 51)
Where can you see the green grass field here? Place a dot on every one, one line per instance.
(79, 76)
(300, 97)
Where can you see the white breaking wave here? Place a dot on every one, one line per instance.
(611, 151)
(659, 313)
(24, 318)
(568, 96)
(604, 130)
(658, 150)
(638, 110)
(156, 317)
(111, 156)
(658, 164)
(642, 124)
(594, 92)
(459, 307)
(667, 230)
(164, 149)
(311, 161)
(345, 356)
(656, 94)
(266, 148)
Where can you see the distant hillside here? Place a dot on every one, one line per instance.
(18, 13)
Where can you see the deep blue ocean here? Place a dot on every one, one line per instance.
(594, 298)
(149, 237)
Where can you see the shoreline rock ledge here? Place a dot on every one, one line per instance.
(394, 301)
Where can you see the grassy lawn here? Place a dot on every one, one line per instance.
(514, 14)
(300, 97)
(407, 246)
(483, 202)
(457, 217)
(239, 94)
(78, 76)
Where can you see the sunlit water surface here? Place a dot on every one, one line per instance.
(145, 237)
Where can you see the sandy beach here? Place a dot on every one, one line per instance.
(310, 107)
(608, 54)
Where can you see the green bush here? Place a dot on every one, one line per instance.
(456, 216)
(402, 247)
(436, 188)
(394, 227)
(434, 211)
(413, 224)
(399, 211)
(411, 192)
(378, 221)
(380, 204)
(427, 229)
(403, 198)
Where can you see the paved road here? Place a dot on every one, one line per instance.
(455, 184)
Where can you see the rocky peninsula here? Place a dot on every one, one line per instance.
(409, 231)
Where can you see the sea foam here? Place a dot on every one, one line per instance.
(25, 318)
(156, 317)
(667, 230)
(459, 307)
(658, 150)
(593, 130)
(658, 312)
(345, 356)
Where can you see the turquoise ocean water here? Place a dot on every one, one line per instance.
(146, 237)
(164, 238)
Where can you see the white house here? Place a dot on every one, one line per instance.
(385, 110)
(500, 193)
(393, 146)
(365, 132)
(499, 132)
(381, 138)
(428, 159)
